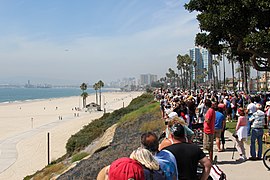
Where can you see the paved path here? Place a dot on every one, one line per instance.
(248, 170)
(8, 150)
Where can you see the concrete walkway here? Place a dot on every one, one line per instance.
(8, 150)
(239, 170)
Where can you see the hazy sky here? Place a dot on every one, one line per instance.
(74, 41)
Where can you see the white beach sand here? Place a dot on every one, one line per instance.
(24, 129)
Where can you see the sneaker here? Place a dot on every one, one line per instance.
(242, 159)
(252, 158)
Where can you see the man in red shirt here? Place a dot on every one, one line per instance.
(209, 128)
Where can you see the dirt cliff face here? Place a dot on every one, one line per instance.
(126, 139)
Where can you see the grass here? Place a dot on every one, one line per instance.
(48, 172)
(152, 126)
(79, 156)
(147, 109)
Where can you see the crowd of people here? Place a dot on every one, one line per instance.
(174, 155)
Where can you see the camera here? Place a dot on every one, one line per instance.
(166, 123)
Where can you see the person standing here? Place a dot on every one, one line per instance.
(257, 126)
(187, 155)
(209, 128)
(251, 108)
(241, 131)
(219, 125)
(267, 106)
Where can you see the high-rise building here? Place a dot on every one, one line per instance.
(202, 70)
(147, 79)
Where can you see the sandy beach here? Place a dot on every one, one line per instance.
(25, 126)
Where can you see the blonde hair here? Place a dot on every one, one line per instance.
(177, 120)
(145, 157)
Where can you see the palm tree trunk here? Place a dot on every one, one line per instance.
(217, 77)
(214, 84)
(257, 80)
(245, 77)
(100, 97)
(233, 75)
(266, 83)
(96, 97)
(224, 73)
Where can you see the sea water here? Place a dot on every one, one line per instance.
(9, 95)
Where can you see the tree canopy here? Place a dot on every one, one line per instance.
(242, 25)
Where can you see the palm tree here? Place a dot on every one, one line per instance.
(100, 85)
(95, 86)
(238, 70)
(171, 76)
(180, 67)
(195, 80)
(84, 94)
(216, 63)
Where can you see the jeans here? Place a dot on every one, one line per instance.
(256, 134)
(233, 113)
(249, 125)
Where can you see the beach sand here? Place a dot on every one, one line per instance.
(25, 127)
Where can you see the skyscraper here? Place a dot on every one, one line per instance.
(203, 63)
(147, 79)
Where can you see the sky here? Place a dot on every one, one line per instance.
(64, 42)
(70, 42)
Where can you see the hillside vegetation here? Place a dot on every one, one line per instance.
(126, 139)
(141, 115)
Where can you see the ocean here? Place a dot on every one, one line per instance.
(8, 95)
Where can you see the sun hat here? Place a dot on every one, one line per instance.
(258, 106)
(172, 115)
(126, 168)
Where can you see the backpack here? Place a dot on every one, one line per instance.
(153, 174)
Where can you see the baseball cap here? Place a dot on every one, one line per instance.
(126, 168)
(268, 103)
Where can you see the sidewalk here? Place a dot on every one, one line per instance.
(239, 170)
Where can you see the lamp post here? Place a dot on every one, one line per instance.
(104, 103)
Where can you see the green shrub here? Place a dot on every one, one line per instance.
(79, 156)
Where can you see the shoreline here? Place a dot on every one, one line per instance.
(30, 142)
(107, 90)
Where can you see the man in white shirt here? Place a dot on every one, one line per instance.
(251, 108)
(268, 115)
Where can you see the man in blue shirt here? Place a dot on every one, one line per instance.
(165, 158)
(219, 125)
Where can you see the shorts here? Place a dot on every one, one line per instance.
(218, 133)
(208, 141)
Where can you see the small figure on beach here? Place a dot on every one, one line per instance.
(56, 108)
